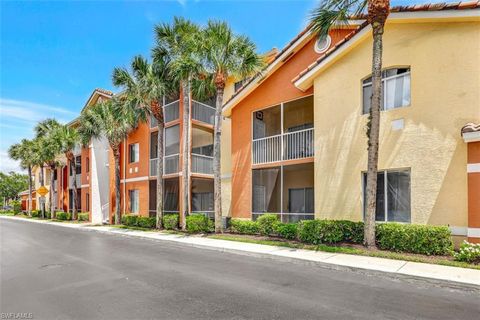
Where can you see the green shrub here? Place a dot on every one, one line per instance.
(469, 252)
(83, 216)
(352, 231)
(129, 220)
(320, 231)
(266, 224)
(423, 239)
(244, 226)
(35, 213)
(199, 223)
(286, 230)
(17, 206)
(146, 222)
(170, 221)
(64, 216)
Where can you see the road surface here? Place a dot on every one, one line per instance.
(51, 272)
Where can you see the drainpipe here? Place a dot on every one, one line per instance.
(124, 175)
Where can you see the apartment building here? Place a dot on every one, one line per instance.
(299, 144)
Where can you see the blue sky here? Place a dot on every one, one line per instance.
(54, 53)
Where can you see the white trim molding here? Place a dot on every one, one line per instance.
(473, 167)
(471, 136)
(473, 232)
(85, 186)
(134, 179)
(458, 231)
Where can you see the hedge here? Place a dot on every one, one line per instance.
(199, 223)
(244, 226)
(35, 213)
(286, 230)
(266, 224)
(131, 220)
(170, 221)
(64, 216)
(83, 216)
(423, 239)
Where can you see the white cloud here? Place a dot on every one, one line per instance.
(31, 112)
(7, 164)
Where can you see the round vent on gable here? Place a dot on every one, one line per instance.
(322, 44)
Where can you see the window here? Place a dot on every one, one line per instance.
(240, 84)
(87, 164)
(87, 202)
(78, 165)
(134, 201)
(134, 152)
(172, 140)
(300, 200)
(395, 89)
(322, 44)
(393, 196)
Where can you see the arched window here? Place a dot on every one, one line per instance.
(395, 89)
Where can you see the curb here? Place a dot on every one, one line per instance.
(275, 253)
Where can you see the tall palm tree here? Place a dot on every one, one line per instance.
(180, 42)
(46, 131)
(334, 12)
(68, 139)
(225, 54)
(114, 121)
(144, 89)
(25, 153)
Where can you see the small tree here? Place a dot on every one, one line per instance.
(113, 120)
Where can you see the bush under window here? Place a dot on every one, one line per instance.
(198, 223)
(170, 221)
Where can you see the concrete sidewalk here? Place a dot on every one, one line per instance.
(333, 260)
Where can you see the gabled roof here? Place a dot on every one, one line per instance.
(304, 79)
(97, 92)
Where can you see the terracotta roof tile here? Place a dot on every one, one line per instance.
(471, 127)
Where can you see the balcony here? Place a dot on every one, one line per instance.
(170, 165)
(203, 112)
(170, 113)
(78, 181)
(287, 146)
(202, 164)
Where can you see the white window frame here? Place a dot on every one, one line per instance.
(384, 91)
(136, 149)
(134, 194)
(385, 192)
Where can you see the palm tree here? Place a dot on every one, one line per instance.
(114, 121)
(25, 153)
(225, 54)
(46, 131)
(144, 89)
(180, 42)
(68, 139)
(334, 12)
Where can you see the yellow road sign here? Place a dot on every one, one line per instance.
(42, 191)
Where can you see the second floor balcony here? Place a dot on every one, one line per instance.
(200, 111)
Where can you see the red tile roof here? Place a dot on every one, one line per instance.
(471, 127)
(412, 8)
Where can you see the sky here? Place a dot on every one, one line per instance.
(54, 53)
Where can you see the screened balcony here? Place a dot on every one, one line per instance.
(202, 150)
(170, 196)
(202, 197)
(283, 132)
(203, 112)
(287, 191)
(172, 150)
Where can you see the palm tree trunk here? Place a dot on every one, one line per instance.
(42, 183)
(116, 155)
(217, 170)
(74, 193)
(373, 136)
(52, 187)
(30, 191)
(160, 152)
(186, 152)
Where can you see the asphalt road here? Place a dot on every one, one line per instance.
(61, 273)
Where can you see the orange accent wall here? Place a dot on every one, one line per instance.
(474, 189)
(274, 90)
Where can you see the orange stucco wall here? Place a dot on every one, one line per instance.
(474, 189)
(274, 90)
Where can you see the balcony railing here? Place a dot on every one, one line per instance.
(203, 112)
(78, 182)
(202, 164)
(170, 113)
(287, 146)
(170, 165)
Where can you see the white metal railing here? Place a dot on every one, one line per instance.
(287, 146)
(298, 144)
(202, 164)
(203, 112)
(267, 149)
(170, 164)
(170, 113)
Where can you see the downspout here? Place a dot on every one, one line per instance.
(124, 175)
